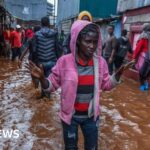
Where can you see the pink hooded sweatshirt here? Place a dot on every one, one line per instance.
(65, 75)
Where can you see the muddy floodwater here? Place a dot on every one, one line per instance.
(124, 123)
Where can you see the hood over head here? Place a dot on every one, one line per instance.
(76, 29)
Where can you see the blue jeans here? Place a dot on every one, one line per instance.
(48, 67)
(89, 129)
(16, 52)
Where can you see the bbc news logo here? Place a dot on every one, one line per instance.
(9, 134)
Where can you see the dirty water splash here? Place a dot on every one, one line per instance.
(124, 123)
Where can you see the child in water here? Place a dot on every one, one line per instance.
(82, 75)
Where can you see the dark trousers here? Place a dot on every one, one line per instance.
(110, 65)
(145, 72)
(89, 129)
(47, 66)
(16, 52)
(118, 62)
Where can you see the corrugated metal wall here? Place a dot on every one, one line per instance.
(117, 31)
(67, 9)
(66, 26)
(70, 8)
(99, 8)
(27, 9)
(146, 2)
(124, 5)
(104, 32)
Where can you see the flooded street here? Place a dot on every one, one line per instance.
(124, 125)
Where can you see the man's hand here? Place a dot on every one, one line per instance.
(123, 68)
(129, 65)
(37, 72)
(110, 60)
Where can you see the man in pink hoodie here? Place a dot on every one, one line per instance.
(81, 76)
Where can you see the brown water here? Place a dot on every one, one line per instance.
(125, 113)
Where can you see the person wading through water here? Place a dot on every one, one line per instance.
(141, 56)
(82, 74)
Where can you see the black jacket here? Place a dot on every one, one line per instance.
(45, 45)
(124, 46)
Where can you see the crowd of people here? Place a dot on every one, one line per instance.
(13, 40)
(81, 66)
